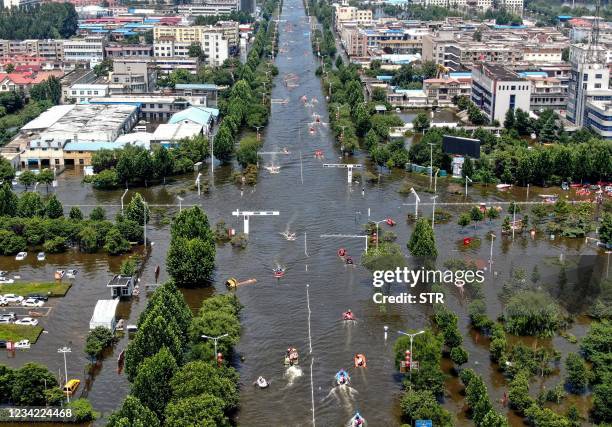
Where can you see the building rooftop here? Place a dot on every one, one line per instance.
(176, 131)
(105, 311)
(195, 86)
(48, 117)
(199, 115)
(499, 72)
(119, 281)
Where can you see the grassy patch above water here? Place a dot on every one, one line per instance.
(20, 332)
(51, 289)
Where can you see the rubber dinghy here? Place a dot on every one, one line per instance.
(262, 382)
(357, 420)
(291, 357)
(342, 377)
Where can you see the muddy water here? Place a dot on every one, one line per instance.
(312, 201)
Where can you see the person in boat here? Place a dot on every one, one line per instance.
(360, 361)
(341, 252)
(278, 271)
(342, 378)
(262, 382)
(358, 420)
(348, 315)
(349, 260)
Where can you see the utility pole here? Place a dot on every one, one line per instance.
(63, 351)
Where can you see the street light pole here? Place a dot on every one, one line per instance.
(491, 253)
(436, 181)
(65, 350)
(430, 162)
(122, 196)
(433, 212)
(180, 199)
(144, 213)
(377, 236)
(418, 199)
(215, 339)
(411, 336)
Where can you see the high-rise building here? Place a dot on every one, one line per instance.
(588, 80)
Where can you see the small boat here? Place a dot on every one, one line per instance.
(390, 222)
(136, 291)
(288, 236)
(291, 357)
(21, 256)
(318, 153)
(279, 272)
(71, 274)
(357, 420)
(41, 256)
(503, 187)
(349, 260)
(262, 382)
(360, 361)
(120, 361)
(59, 274)
(341, 252)
(286, 151)
(348, 315)
(23, 344)
(273, 169)
(398, 110)
(342, 378)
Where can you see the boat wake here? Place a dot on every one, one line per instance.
(344, 394)
(292, 374)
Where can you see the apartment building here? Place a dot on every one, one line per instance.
(441, 91)
(52, 50)
(546, 92)
(513, 6)
(81, 93)
(88, 49)
(116, 50)
(476, 5)
(351, 13)
(598, 118)
(209, 7)
(395, 40)
(132, 75)
(354, 41)
(589, 80)
(214, 47)
(496, 89)
(167, 64)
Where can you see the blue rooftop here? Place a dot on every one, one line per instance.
(511, 27)
(459, 74)
(199, 115)
(200, 86)
(532, 74)
(384, 78)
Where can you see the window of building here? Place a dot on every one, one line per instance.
(597, 85)
(598, 76)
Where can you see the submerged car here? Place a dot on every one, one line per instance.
(32, 302)
(27, 321)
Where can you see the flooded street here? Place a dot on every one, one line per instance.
(312, 200)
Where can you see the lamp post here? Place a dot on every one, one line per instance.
(180, 199)
(433, 212)
(467, 179)
(436, 181)
(65, 350)
(197, 181)
(491, 253)
(257, 129)
(215, 339)
(144, 214)
(431, 145)
(122, 196)
(411, 336)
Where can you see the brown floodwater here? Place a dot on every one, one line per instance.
(312, 201)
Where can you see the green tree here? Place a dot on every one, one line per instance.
(548, 134)
(459, 356)
(532, 313)
(476, 214)
(7, 172)
(422, 242)
(75, 214)
(88, 240)
(224, 143)
(509, 121)
(605, 229)
(577, 375)
(602, 400)
(464, 219)
(55, 245)
(27, 178)
(97, 214)
(54, 208)
(29, 384)
(97, 340)
(115, 243)
(151, 382)
(30, 205)
(162, 162)
(419, 405)
(492, 213)
(493, 419)
(202, 410)
(518, 392)
(468, 168)
(421, 122)
(46, 177)
(137, 210)
(8, 201)
(200, 377)
(133, 414)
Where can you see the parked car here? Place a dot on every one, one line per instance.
(28, 321)
(4, 320)
(23, 344)
(10, 315)
(5, 280)
(71, 274)
(13, 298)
(2, 344)
(32, 302)
(39, 297)
(21, 256)
(3, 301)
(41, 256)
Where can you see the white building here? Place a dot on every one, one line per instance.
(105, 314)
(588, 80)
(496, 89)
(83, 92)
(598, 117)
(89, 49)
(167, 64)
(209, 7)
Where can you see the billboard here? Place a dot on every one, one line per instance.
(461, 146)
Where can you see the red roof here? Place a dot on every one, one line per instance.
(29, 77)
